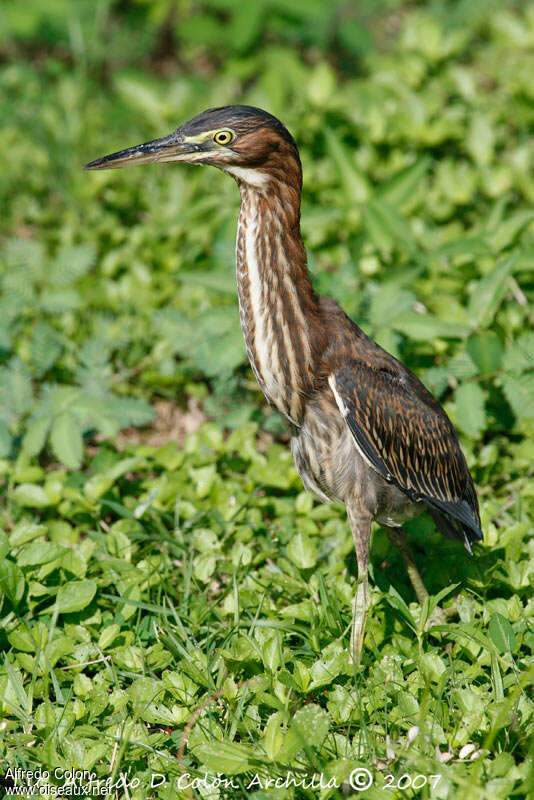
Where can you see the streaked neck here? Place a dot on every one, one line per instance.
(277, 304)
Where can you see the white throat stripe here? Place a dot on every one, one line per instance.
(254, 177)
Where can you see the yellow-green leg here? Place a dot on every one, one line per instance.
(360, 610)
(360, 523)
(397, 537)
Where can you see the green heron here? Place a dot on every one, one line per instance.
(364, 429)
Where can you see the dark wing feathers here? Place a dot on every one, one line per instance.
(405, 435)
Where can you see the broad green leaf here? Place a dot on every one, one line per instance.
(220, 355)
(501, 633)
(205, 540)
(60, 301)
(435, 379)
(461, 367)
(422, 327)
(247, 24)
(71, 263)
(73, 561)
(83, 685)
(96, 486)
(432, 667)
(204, 479)
(142, 96)
(130, 657)
(480, 139)
(396, 601)
(56, 398)
(399, 189)
(16, 680)
(272, 655)
(16, 391)
(230, 758)
(5, 336)
(485, 350)
(519, 354)
(25, 532)
(328, 668)
(35, 436)
(39, 553)
(23, 254)
(388, 302)
(354, 184)
(22, 639)
(469, 631)
(386, 228)
(223, 282)
(519, 391)
(59, 647)
(213, 340)
(130, 411)
(301, 676)
(31, 495)
(5, 440)
(504, 234)
(204, 566)
(108, 635)
(45, 348)
(270, 474)
(356, 36)
(157, 713)
(469, 246)
(488, 293)
(312, 724)
(497, 678)
(302, 551)
(11, 581)
(123, 466)
(273, 736)
(75, 595)
(118, 541)
(434, 600)
(470, 409)
(66, 440)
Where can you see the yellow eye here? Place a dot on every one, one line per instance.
(223, 137)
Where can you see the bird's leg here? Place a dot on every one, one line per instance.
(397, 537)
(360, 524)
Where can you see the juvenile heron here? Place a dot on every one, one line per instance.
(364, 429)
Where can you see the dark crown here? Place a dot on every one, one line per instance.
(242, 119)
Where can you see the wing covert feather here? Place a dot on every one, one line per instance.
(405, 435)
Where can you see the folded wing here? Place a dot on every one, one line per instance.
(404, 434)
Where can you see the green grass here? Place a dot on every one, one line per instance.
(171, 608)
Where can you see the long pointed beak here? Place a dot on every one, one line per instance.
(168, 148)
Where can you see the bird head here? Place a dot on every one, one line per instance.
(246, 142)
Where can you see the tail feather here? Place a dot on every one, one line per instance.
(457, 521)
